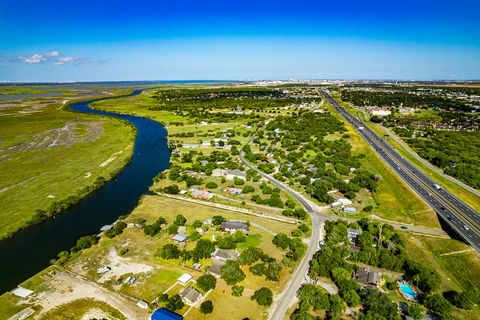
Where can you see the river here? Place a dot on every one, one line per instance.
(30, 250)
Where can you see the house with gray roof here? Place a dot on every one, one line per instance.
(190, 295)
(233, 226)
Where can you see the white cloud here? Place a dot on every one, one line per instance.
(52, 54)
(55, 58)
(36, 58)
(64, 60)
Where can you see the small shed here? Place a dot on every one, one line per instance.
(179, 238)
(22, 292)
(164, 314)
(350, 210)
(142, 304)
(184, 278)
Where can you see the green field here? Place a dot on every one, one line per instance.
(48, 154)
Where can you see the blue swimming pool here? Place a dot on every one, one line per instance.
(408, 292)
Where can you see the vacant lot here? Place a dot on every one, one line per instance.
(48, 154)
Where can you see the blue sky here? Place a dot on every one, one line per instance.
(231, 39)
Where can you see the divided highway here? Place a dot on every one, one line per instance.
(458, 215)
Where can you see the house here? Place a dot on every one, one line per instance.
(353, 234)
(180, 238)
(229, 174)
(201, 194)
(184, 278)
(233, 191)
(203, 162)
(224, 255)
(233, 226)
(345, 201)
(164, 314)
(277, 130)
(142, 304)
(189, 146)
(350, 210)
(381, 112)
(190, 295)
(367, 277)
(335, 204)
(215, 269)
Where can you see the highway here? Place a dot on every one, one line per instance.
(464, 220)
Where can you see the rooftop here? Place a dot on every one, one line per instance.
(164, 314)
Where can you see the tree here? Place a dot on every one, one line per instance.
(263, 296)
(238, 181)
(217, 220)
(226, 242)
(175, 303)
(169, 251)
(281, 240)
(237, 291)
(172, 189)
(206, 307)
(211, 185)
(180, 220)
(206, 282)
(248, 189)
(231, 272)
(203, 249)
(415, 311)
(197, 224)
(195, 235)
(250, 255)
(337, 305)
(437, 303)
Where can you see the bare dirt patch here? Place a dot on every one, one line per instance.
(120, 266)
(65, 287)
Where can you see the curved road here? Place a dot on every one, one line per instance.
(281, 306)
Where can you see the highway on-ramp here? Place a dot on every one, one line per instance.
(464, 220)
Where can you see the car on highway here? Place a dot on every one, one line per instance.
(403, 227)
(443, 208)
(436, 186)
(466, 227)
(449, 218)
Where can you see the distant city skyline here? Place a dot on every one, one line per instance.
(159, 40)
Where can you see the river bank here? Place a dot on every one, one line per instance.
(30, 250)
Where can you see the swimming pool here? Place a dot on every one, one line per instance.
(408, 292)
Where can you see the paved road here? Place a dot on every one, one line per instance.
(464, 220)
(300, 276)
(280, 307)
(428, 164)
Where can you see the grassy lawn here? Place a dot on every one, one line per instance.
(78, 308)
(459, 271)
(393, 200)
(48, 154)
(227, 306)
